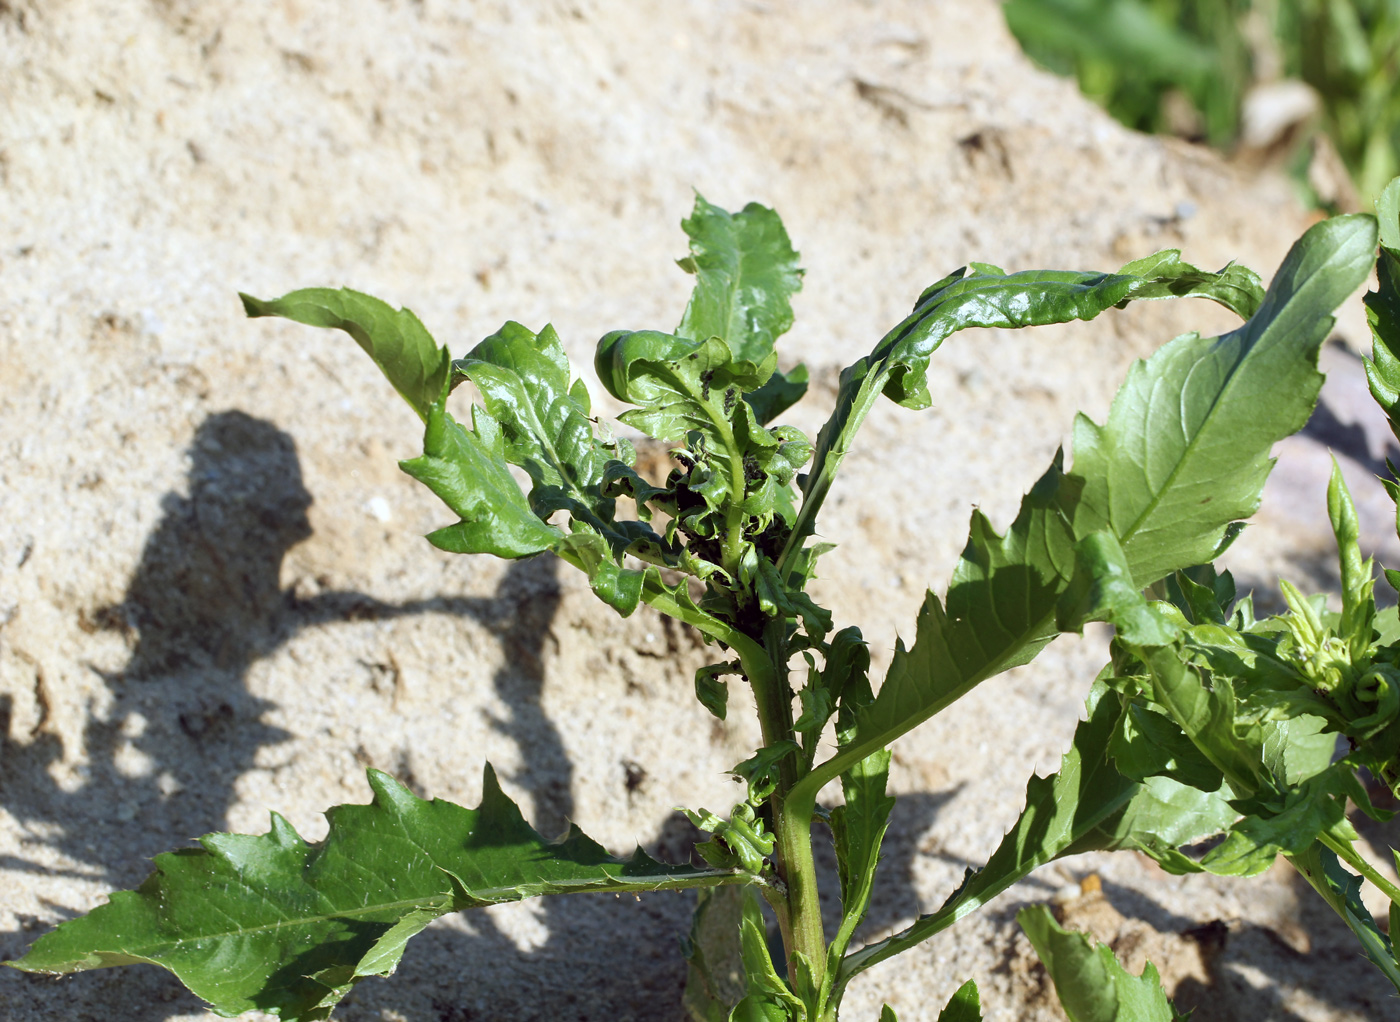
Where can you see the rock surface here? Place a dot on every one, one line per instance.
(213, 597)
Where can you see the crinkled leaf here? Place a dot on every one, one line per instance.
(746, 271)
(1166, 275)
(760, 771)
(898, 365)
(279, 925)
(1091, 984)
(1183, 454)
(467, 470)
(524, 382)
(399, 344)
(713, 693)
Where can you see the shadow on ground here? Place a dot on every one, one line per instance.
(205, 604)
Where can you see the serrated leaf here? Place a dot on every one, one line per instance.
(1183, 454)
(746, 272)
(963, 1006)
(399, 344)
(1091, 984)
(466, 469)
(275, 924)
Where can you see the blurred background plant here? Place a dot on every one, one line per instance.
(1311, 84)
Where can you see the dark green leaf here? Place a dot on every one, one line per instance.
(746, 272)
(858, 827)
(963, 1006)
(1183, 454)
(713, 693)
(467, 469)
(781, 392)
(278, 925)
(399, 344)
(524, 381)
(1091, 984)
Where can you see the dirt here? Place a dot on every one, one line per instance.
(213, 595)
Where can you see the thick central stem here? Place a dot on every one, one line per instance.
(792, 824)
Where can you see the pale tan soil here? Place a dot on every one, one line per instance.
(213, 597)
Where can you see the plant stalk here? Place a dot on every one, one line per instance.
(792, 824)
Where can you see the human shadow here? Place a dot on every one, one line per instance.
(205, 604)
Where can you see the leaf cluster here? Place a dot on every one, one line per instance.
(1206, 721)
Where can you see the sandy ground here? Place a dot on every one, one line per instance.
(213, 597)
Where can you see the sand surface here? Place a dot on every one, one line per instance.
(214, 597)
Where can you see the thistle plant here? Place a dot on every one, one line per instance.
(1206, 722)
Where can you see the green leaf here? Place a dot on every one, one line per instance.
(1166, 275)
(689, 391)
(746, 271)
(399, 344)
(1087, 806)
(275, 924)
(1091, 984)
(1185, 450)
(898, 365)
(524, 382)
(1183, 455)
(1103, 590)
(963, 1006)
(467, 470)
(858, 828)
(781, 392)
(715, 980)
(1341, 889)
(760, 771)
(1308, 810)
(713, 693)
(768, 998)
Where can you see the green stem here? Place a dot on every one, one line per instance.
(1347, 852)
(792, 821)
